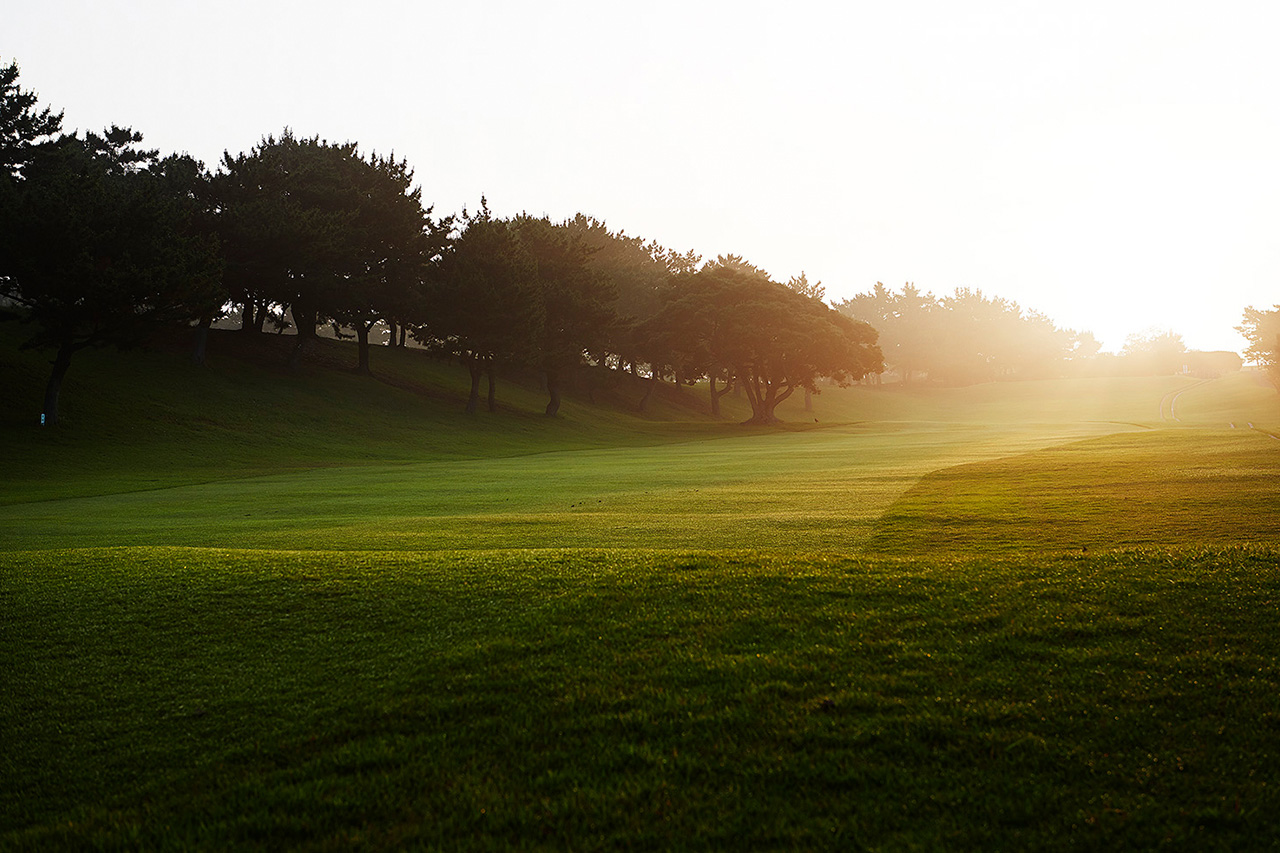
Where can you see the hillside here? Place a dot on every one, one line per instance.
(148, 419)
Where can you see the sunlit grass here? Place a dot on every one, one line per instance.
(818, 490)
(1149, 489)
(249, 608)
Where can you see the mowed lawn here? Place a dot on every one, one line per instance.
(198, 698)
(699, 639)
(821, 489)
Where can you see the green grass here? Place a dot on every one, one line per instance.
(152, 420)
(252, 608)
(1150, 489)
(175, 698)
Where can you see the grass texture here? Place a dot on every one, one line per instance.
(169, 698)
(250, 608)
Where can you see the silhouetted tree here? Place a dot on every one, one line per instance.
(577, 301)
(908, 325)
(22, 125)
(99, 249)
(485, 306)
(966, 337)
(639, 271)
(279, 219)
(739, 325)
(389, 246)
(334, 236)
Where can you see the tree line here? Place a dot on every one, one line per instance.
(104, 242)
(965, 338)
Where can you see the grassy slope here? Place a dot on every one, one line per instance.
(369, 465)
(347, 695)
(1207, 480)
(151, 420)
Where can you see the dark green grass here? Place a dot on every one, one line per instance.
(146, 420)
(179, 698)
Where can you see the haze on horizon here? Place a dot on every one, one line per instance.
(1110, 165)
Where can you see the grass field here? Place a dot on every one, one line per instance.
(253, 609)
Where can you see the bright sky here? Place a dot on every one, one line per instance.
(1114, 165)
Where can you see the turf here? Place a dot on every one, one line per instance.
(177, 698)
(254, 608)
(1138, 490)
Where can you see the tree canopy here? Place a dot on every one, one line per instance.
(731, 322)
(1262, 330)
(103, 242)
(966, 337)
(328, 233)
(102, 245)
(22, 124)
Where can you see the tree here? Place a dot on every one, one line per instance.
(639, 271)
(908, 324)
(1262, 330)
(315, 226)
(99, 249)
(742, 327)
(1155, 353)
(576, 300)
(22, 125)
(274, 230)
(484, 304)
(188, 182)
(390, 245)
(966, 337)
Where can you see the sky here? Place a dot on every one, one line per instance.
(1113, 165)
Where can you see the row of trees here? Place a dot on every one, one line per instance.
(101, 241)
(966, 337)
(105, 242)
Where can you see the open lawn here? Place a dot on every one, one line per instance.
(250, 609)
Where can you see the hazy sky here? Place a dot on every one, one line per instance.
(1114, 165)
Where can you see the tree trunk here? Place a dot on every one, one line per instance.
(808, 400)
(475, 369)
(246, 317)
(765, 398)
(553, 389)
(493, 400)
(648, 391)
(716, 395)
(295, 355)
(60, 364)
(263, 308)
(304, 318)
(202, 340)
(362, 346)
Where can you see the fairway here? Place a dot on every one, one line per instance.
(1020, 615)
(818, 490)
(822, 489)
